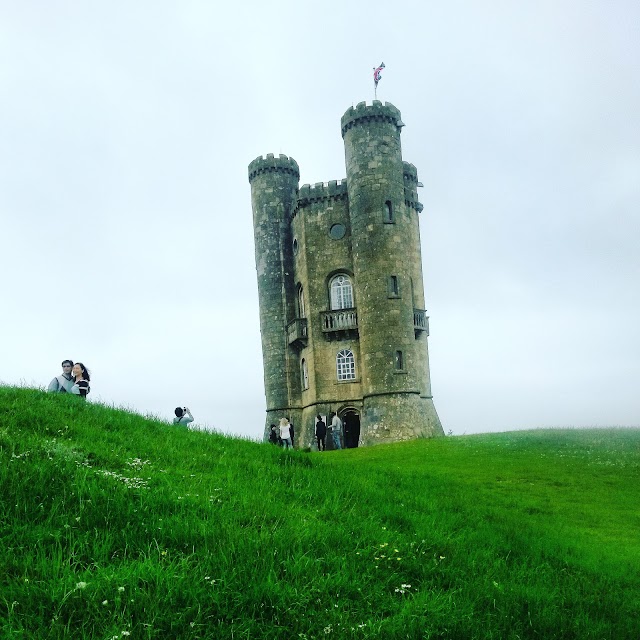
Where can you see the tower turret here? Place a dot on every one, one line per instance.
(274, 192)
(385, 245)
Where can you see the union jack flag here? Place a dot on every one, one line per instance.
(377, 74)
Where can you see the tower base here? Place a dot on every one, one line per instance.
(397, 417)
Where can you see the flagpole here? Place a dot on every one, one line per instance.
(376, 79)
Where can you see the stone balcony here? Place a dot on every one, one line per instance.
(420, 321)
(297, 334)
(342, 320)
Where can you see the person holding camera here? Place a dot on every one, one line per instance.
(183, 416)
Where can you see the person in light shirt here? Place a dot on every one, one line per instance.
(63, 382)
(336, 431)
(285, 433)
(183, 416)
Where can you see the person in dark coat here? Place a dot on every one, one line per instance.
(321, 433)
(274, 438)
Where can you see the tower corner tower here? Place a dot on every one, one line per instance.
(274, 195)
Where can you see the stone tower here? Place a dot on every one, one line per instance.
(342, 310)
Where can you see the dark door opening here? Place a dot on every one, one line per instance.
(351, 425)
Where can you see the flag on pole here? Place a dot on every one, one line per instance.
(377, 74)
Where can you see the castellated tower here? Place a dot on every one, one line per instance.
(342, 310)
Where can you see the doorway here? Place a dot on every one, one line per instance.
(351, 425)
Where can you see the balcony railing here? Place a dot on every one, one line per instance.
(420, 321)
(297, 332)
(342, 320)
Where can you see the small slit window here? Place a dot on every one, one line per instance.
(394, 289)
(399, 361)
(305, 374)
(388, 211)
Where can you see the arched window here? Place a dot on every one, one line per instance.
(341, 292)
(301, 309)
(346, 365)
(305, 374)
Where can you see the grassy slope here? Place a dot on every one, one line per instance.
(112, 524)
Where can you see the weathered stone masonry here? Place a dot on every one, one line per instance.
(342, 310)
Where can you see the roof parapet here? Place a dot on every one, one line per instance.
(270, 163)
(409, 173)
(321, 191)
(411, 184)
(375, 112)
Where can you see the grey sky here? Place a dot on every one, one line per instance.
(126, 215)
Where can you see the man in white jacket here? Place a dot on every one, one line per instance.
(336, 431)
(63, 382)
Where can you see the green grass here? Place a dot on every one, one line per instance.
(114, 524)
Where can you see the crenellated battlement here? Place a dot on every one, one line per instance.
(270, 163)
(410, 176)
(409, 173)
(375, 112)
(321, 191)
(411, 199)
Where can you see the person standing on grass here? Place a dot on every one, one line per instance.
(274, 438)
(321, 433)
(336, 430)
(63, 382)
(285, 433)
(81, 380)
(183, 416)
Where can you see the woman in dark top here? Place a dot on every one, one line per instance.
(81, 377)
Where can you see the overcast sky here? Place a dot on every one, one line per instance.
(126, 224)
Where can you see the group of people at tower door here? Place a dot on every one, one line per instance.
(334, 428)
(74, 379)
(283, 434)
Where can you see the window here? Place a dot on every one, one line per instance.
(305, 374)
(301, 309)
(399, 361)
(346, 365)
(341, 292)
(388, 211)
(394, 290)
(337, 231)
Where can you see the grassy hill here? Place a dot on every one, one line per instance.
(116, 525)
